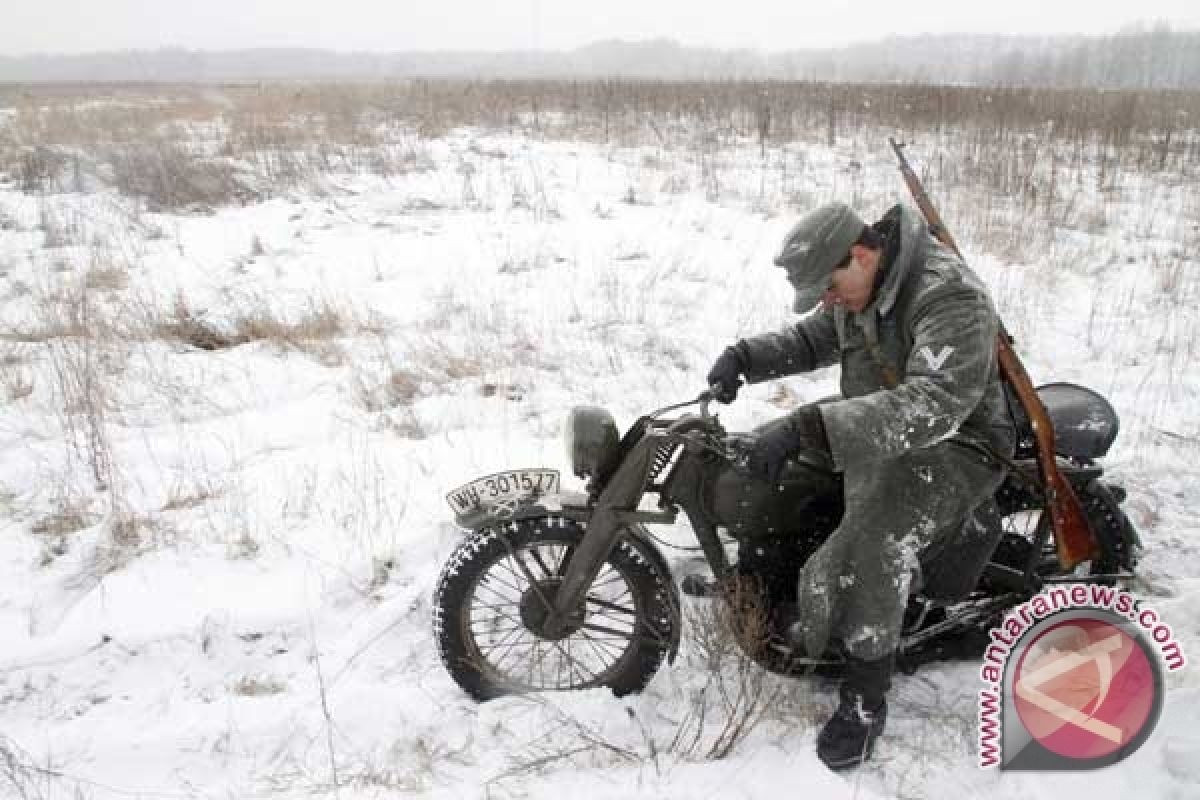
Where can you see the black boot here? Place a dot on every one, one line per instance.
(849, 737)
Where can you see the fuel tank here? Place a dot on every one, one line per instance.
(806, 501)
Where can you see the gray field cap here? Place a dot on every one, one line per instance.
(817, 244)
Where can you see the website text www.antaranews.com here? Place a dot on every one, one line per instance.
(1052, 601)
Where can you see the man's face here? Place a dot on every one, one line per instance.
(851, 285)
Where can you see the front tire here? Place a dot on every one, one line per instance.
(491, 601)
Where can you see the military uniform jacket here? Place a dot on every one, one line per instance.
(918, 364)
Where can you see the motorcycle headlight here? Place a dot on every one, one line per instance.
(592, 440)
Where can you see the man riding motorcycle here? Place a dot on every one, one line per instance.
(919, 432)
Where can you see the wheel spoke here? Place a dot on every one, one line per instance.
(596, 649)
(519, 580)
(597, 584)
(517, 556)
(514, 635)
(495, 631)
(525, 644)
(563, 558)
(574, 662)
(492, 576)
(613, 607)
(628, 620)
(611, 650)
(542, 565)
(509, 611)
(626, 635)
(508, 602)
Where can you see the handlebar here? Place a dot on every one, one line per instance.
(734, 447)
(704, 399)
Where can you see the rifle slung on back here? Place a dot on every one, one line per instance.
(1072, 535)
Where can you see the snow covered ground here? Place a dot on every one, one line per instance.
(216, 565)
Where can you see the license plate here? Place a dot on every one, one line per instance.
(493, 490)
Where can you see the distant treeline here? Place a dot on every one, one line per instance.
(1137, 59)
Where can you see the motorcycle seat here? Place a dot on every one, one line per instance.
(1085, 423)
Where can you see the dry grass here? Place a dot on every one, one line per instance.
(86, 359)
(313, 332)
(398, 389)
(172, 176)
(64, 522)
(16, 374)
(183, 150)
(21, 777)
(106, 278)
(257, 686)
(183, 497)
(129, 535)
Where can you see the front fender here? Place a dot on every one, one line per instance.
(574, 505)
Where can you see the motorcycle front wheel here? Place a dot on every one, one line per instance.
(491, 614)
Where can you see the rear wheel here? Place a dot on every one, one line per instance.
(493, 626)
(1024, 524)
(1114, 534)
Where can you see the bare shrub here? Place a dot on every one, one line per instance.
(83, 361)
(172, 177)
(38, 168)
(737, 692)
(564, 740)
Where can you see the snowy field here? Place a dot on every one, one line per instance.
(225, 438)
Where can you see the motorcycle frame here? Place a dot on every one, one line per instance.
(614, 512)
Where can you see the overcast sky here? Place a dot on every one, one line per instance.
(73, 26)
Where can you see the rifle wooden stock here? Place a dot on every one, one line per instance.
(1072, 535)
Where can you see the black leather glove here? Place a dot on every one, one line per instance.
(803, 429)
(726, 374)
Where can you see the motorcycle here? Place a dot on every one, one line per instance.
(554, 589)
